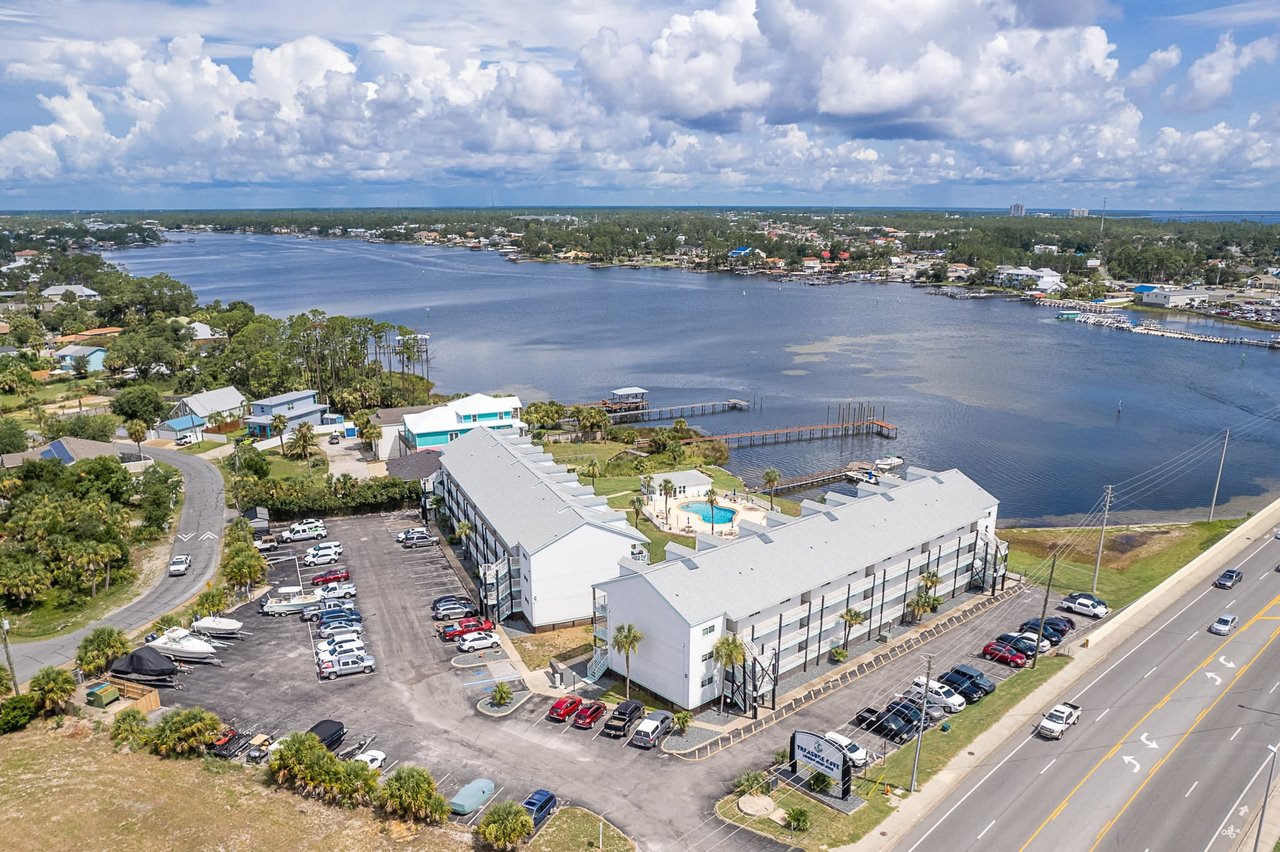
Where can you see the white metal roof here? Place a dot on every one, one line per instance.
(221, 400)
(448, 416)
(629, 391)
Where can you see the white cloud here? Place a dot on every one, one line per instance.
(1159, 63)
(1243, 14)
(1211, 78)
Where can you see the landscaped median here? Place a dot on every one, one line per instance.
(576, 828)
(829, 828)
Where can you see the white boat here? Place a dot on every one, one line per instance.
(288, 599)
(888, 462)
(215, 626)
(178, 643)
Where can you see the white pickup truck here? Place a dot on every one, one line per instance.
(1056, 721)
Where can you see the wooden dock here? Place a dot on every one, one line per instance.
(684, 409)
(854, 471)
(801, 433)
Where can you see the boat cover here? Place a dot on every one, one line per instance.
(144, 662)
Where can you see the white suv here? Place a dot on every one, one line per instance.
(322, 554)
(178, 565)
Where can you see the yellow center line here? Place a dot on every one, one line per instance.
(1199, 718)
(1213, 655)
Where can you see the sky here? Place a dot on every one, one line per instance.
(1170, 105)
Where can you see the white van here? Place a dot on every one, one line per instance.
(939, 693)
(858, 755)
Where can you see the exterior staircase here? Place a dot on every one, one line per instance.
(599, 665)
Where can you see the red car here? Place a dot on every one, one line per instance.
(1002, 653)
(337, 575)
(564, 708)
(589, 714)
(463, 627)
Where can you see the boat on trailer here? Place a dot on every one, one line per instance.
(215, 626)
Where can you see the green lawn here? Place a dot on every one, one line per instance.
(201, 447)
(55, 613)
(283, 468)
(55, 392)
(1135, 559)
(831, 828)
(618, 693)
(577, 828)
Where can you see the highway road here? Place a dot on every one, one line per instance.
(200, 528)
(1170, 751)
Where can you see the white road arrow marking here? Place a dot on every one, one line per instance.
(1213, 677)
(1131, 762)
(186, 537)
(1148, 743)
(208, 536)
(1244, 810)
(1225, 662)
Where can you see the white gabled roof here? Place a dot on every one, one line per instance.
(527, 498)
(482, 403)
(692, 478)
(442, 418)
(220, 399)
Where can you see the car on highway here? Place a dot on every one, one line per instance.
(589, 714)
(1229, 578)
(564, 707)
(964, 686)
(456, 631)
(478, 642)
(333, 575)
(886, 724)
(998, 652)
(1224, 624)
(179, 565)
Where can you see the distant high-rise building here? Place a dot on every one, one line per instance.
(1079, 212)
(1017, 210)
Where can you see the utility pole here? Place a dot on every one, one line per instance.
(1106, 510)
(924, 707)
(13, 673)
(1266, 794)
(1213, 504)
(1044, 611)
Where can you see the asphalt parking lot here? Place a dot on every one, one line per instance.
(423, 709)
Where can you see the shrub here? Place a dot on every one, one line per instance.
(99, 648)
(751, 783)
(16, 712)
(6, 681)
(52, 687)
(502, 695)
(798, 819)
(682, 721)
(164, 622)
(839, 655)
(781, 756)
(819, 783)
(410, 792)
(129, 728)
(504, 825)
(183, 733)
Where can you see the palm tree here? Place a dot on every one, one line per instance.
(626, 638)
(504, 825)
(370, 433)
(591, 469)
(929, 581)
(463, 531)
(851, 618)
(100, 648)
(302, 444)
(216, 420)
(52, 688)
(668, 489)
(637, 505)
(410, 792)
(771, 479)
(278, 424)
(712, 497)
(646, 485)
(727, 652)
(680, 426)
(137, 432)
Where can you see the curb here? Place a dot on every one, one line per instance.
(505, 711)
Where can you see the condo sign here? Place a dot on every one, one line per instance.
(822, 756)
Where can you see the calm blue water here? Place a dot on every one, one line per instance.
(1040, 412)
(704, 510)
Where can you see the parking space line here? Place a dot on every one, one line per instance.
(1233, 736)
(985, 830)
(1103, 713)
(1050, 763)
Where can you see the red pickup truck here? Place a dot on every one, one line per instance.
(453, 632)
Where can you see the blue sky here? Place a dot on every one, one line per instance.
(974, 103)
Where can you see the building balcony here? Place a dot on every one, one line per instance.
(601, 632)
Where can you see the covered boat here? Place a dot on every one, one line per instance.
(214, 626)
(145, 665)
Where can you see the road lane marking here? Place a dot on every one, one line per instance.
(1103, 713)
(988, 828)
(1193, 635)
(1150, 673)
(1057, 811)
(1051, 763)
(1155, 769)
(1231, 810)
(1233, 603)
(1272, 689)
(1233, 736)
(1193, 786)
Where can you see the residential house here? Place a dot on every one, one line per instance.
(297, 407)
(184, 425)
(59, 293)
(1045, 280)
(89, 334)
(1161, 298)
(225, 401)
(70, 450)
(540, 539)
(390, 422)
(781, 586)
(93, 355)
(810, 264)
(691, 483)
(1264, 281)
(203, 335)
(438, 425)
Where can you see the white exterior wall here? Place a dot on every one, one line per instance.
(390, 437)
(557, 585)
(668, 659)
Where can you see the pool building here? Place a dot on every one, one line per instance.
(781, 584)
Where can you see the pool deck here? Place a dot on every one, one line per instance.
(689, 523)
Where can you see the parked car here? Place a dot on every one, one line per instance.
(456, 631)
(400, 536)
(334, 646)
(266, 544)
(1043, 647)
(938, 693)
(564, 707)
(179, 564)
(624, 716)
(333, 575)
(910, 710)
(478, 642)
(858, 755)
(885, 724)
(1085, 603)
(330, 732)
(327, 630)
(539, 804)
(372, 758)
(1229, 578)
(420, 539)
(454, 610)
(322, 554)
(184, 440)
(1026, 645)
(342, 613)
(589, 714)
(334, 438)
(345, 664)
(651, 731)
(1033, 626)
(303, 532)
(329, 591)
(444, 599)
(967, 689)
(319, 611)
(977, 677)
(471, 797)
(1224, 625)
(998, 652)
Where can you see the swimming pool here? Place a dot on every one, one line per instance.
(703, 510)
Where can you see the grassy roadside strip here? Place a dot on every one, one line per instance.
(831, 828)
(577, 828)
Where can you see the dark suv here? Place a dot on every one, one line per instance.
(885, 723)
(964, 686)
(977, 677)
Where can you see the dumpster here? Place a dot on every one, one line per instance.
(102, 695)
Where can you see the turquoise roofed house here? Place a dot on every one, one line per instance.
(440, 424)
(740, 251)
(177, 427)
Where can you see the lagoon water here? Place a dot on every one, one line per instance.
(1042, 413)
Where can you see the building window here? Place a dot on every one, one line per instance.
(708, 630)
(706, 658)
(708, 680)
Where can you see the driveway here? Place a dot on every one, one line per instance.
(346, 457)
(199, 528)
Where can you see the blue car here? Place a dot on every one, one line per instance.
(540, 804)
(471, 797)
